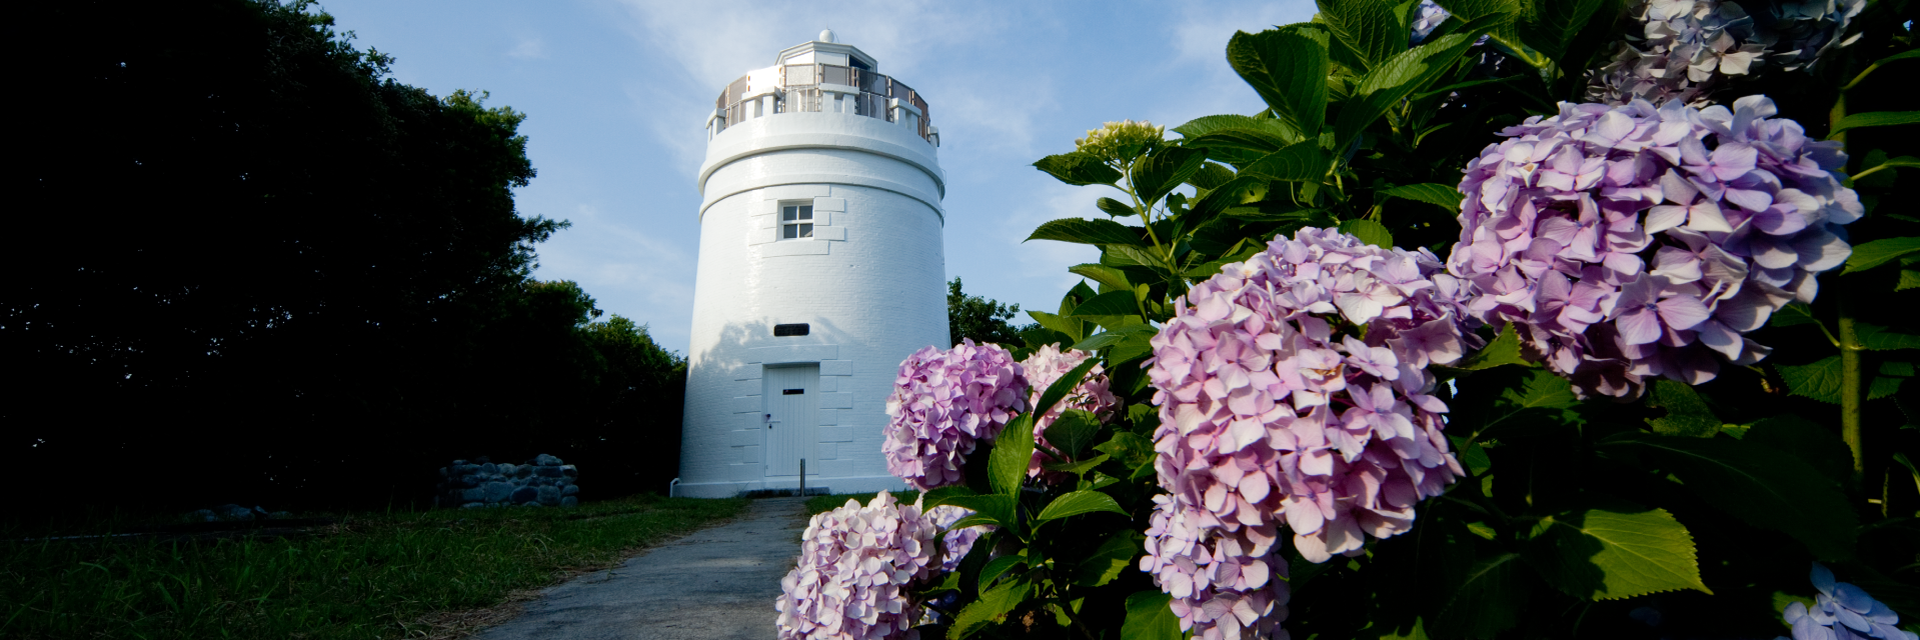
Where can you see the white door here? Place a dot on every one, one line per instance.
(792, 396)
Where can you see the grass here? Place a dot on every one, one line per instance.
(822, 504)
(373, 576)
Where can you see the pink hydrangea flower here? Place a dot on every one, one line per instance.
(1686, 50)
(1630, 242)
(856, 566)
(1044, 367)
(943, 404)
(955, 542)
(1273, 411)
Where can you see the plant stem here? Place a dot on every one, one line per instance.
(1852, 379)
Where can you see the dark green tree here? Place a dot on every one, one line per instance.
(250, 257)
(980, 318)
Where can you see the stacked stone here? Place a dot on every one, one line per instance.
(542, 481)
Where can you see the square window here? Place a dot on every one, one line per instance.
(796, 221)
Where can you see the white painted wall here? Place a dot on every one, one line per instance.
(871, 283)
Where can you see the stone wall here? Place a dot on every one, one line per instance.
(542, 481)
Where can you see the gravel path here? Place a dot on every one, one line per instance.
(715, 583)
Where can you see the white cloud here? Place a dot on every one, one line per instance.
(528, 49)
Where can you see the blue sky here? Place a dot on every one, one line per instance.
(616, 93)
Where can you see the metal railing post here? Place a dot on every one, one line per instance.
(803, 477)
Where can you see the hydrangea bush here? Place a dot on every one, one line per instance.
(1631, 242)
(857, 565)
(1430, 347)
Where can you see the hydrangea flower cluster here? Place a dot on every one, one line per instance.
(1094, 395)
(856, 564)
(1629, 242)
(1427, 17)
(1271, 406)
(943, 404)
(1688, 48)
(1119, 141)
(1843, 612)
(1798, 33)
(956, 542)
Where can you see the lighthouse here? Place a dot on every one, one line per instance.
(821, 268)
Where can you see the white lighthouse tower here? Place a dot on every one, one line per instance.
(821, 268)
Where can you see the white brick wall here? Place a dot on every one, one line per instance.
(871, 284)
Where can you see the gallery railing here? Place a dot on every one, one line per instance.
(829, 88)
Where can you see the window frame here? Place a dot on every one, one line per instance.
(799, 226)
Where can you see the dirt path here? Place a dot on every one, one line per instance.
(716, 583)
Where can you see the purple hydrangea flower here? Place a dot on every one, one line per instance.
(1843, 612)
(856, 566)
(1798, 33)
(1044, 367)
(943, 404)
(1629, 242)
(1273, 410)
(955, 543)
(1686, 50)
(1428, 17)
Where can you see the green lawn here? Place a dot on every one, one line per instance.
(822, 504)
(372, 575)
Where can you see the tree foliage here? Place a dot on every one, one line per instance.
(255, 261)
(980, 318)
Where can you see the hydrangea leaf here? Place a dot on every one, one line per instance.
(1819, 381)
(1211, 176)
(1873, 119)
(998, 566)
(1288, 68)
(1165, 169)
(1486, 600)
(1529, 398)
(1254, 141)
(1007, 463)
(1073, 432)
(1471, 455)
(1608, 555)
(1079, 502)
(1115, 208)
(1113, 557)
(995, 508)
(1818, 446)
(993, 604)
(1072, 328)
(1150, 617)
(1400, 76)
(1440, 195)
(1868, 255)
(1368, 29)
(1077, 468)
(1111, 303)
(1302, 161)
(1755, 483)
(1504, 349)
(1083, 231)
(1874, 337)
(1103, 274)
(1888, 381)
(1078, 168)
(1553, 24)
(1687, 413)
(1131, 347)
(1110, 338)
(1369, 231)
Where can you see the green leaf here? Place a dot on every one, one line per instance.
(940, 496)
(1073, 432)
(1077, 468)
(995, 507)
(1873, 119)
(1078, 168)
(1150, 617)
(1609, 555)
(1889, 379)
(1210, 176)
(1302, 161)
(1288, 68)
(1472, 455)
(1132, 450)
(1083, 231)
(1259, 143)
(1368, 28)
(1115, 208)
(1818, 446)
(1505, 32)
(1793, 314)
(1220, 199)
(1485, 601)
(1819, 381)
(1440, 195)
(1007, 463)
(1527, 399)
(1874, 337)
(998, 566)
(1129, 256)
(1909, 278)
(1395, 79)
(993, 604)
(1368, 231)
(1059, 389)
(1873, 254)
(1503, 350)
(1553, 24)
(1687, 414)
(1103, 274)
(1111, 303)
(1761, 486)
(1068, 326)
(1113, 557)
(1108, 338)
(1079, 502)
(1168, 167)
